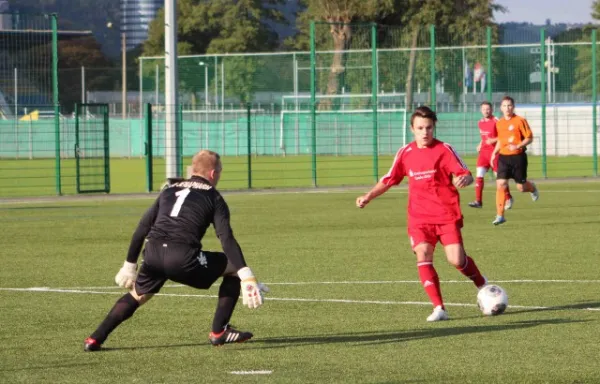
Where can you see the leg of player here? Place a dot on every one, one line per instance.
(123, 309)
(520, 176)
(479, 182)
(229, 293)
(430, 280)
(501, 186)
(530, 187)
(456, 255)
(508, 200)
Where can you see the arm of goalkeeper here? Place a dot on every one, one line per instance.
(252, 290)
(126, 276)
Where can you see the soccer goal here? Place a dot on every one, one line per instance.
(344, 124)
(344, 101)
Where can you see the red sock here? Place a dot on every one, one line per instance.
(470, 270)
(479, 189)
(431, 282)
(507, 195)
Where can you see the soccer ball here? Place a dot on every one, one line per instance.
(492, 300)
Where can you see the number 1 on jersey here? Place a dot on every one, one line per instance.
(181, 195)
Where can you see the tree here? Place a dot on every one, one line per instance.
(74, 54)
(338, 33)
(457, 23)
(407, 20)
(584, 72)
(223, 26)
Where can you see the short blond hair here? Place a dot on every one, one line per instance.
(205, 161)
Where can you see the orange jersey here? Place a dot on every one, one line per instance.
(512, 131)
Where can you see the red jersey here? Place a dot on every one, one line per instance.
(432, 198)
(487, 130)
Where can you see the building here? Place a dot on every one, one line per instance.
(26, 78)
(5, 17)
(136, 16)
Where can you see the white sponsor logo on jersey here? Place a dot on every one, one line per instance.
(421, 174)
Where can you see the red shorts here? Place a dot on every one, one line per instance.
(432, 233)
(484, 161)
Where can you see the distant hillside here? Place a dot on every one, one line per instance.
(522, 33)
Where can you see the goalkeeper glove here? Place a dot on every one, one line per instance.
(125, 278)
(252, 290)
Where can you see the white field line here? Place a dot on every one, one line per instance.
(399, 190)
(151, 196)
(251, 372)
(341, 301)
(521, 281)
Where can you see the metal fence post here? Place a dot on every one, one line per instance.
(249, 142)
(374, 83)
(543, 96)
(489, 74)
(313, 102)
(148, 145)
(594, 102)
(55, 101)
(432, 95)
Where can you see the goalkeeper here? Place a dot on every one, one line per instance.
(171, 231)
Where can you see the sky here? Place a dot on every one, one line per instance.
(537, 11)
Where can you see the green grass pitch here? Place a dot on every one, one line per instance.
(37, 177)
(345, 305)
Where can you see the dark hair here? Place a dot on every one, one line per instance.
(508, 98)
(424, 112)
(486, 103)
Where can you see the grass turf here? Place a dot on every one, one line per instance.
(38, 177)
(345, 304)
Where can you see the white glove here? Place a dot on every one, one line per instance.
(125, 278)
(252, 290)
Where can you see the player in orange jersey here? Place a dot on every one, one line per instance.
(489, 137)
(514, 135)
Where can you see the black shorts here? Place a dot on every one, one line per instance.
(513, 167)
(178, 262)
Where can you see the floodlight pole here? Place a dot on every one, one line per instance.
(171, 102)
(123, 75)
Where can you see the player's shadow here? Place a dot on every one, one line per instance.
(365, 338)
(186, 345)
(566, 307)
(362, 338)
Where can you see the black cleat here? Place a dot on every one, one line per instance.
(91, 345)
(475, 204)
(229, 335)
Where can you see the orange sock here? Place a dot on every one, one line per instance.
(500, 197)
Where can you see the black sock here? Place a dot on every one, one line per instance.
(121, 311)
(229, 292)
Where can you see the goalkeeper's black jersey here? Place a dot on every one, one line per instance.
(182, 213)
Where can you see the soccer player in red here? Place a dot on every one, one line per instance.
(434, 172)
(489, 137)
